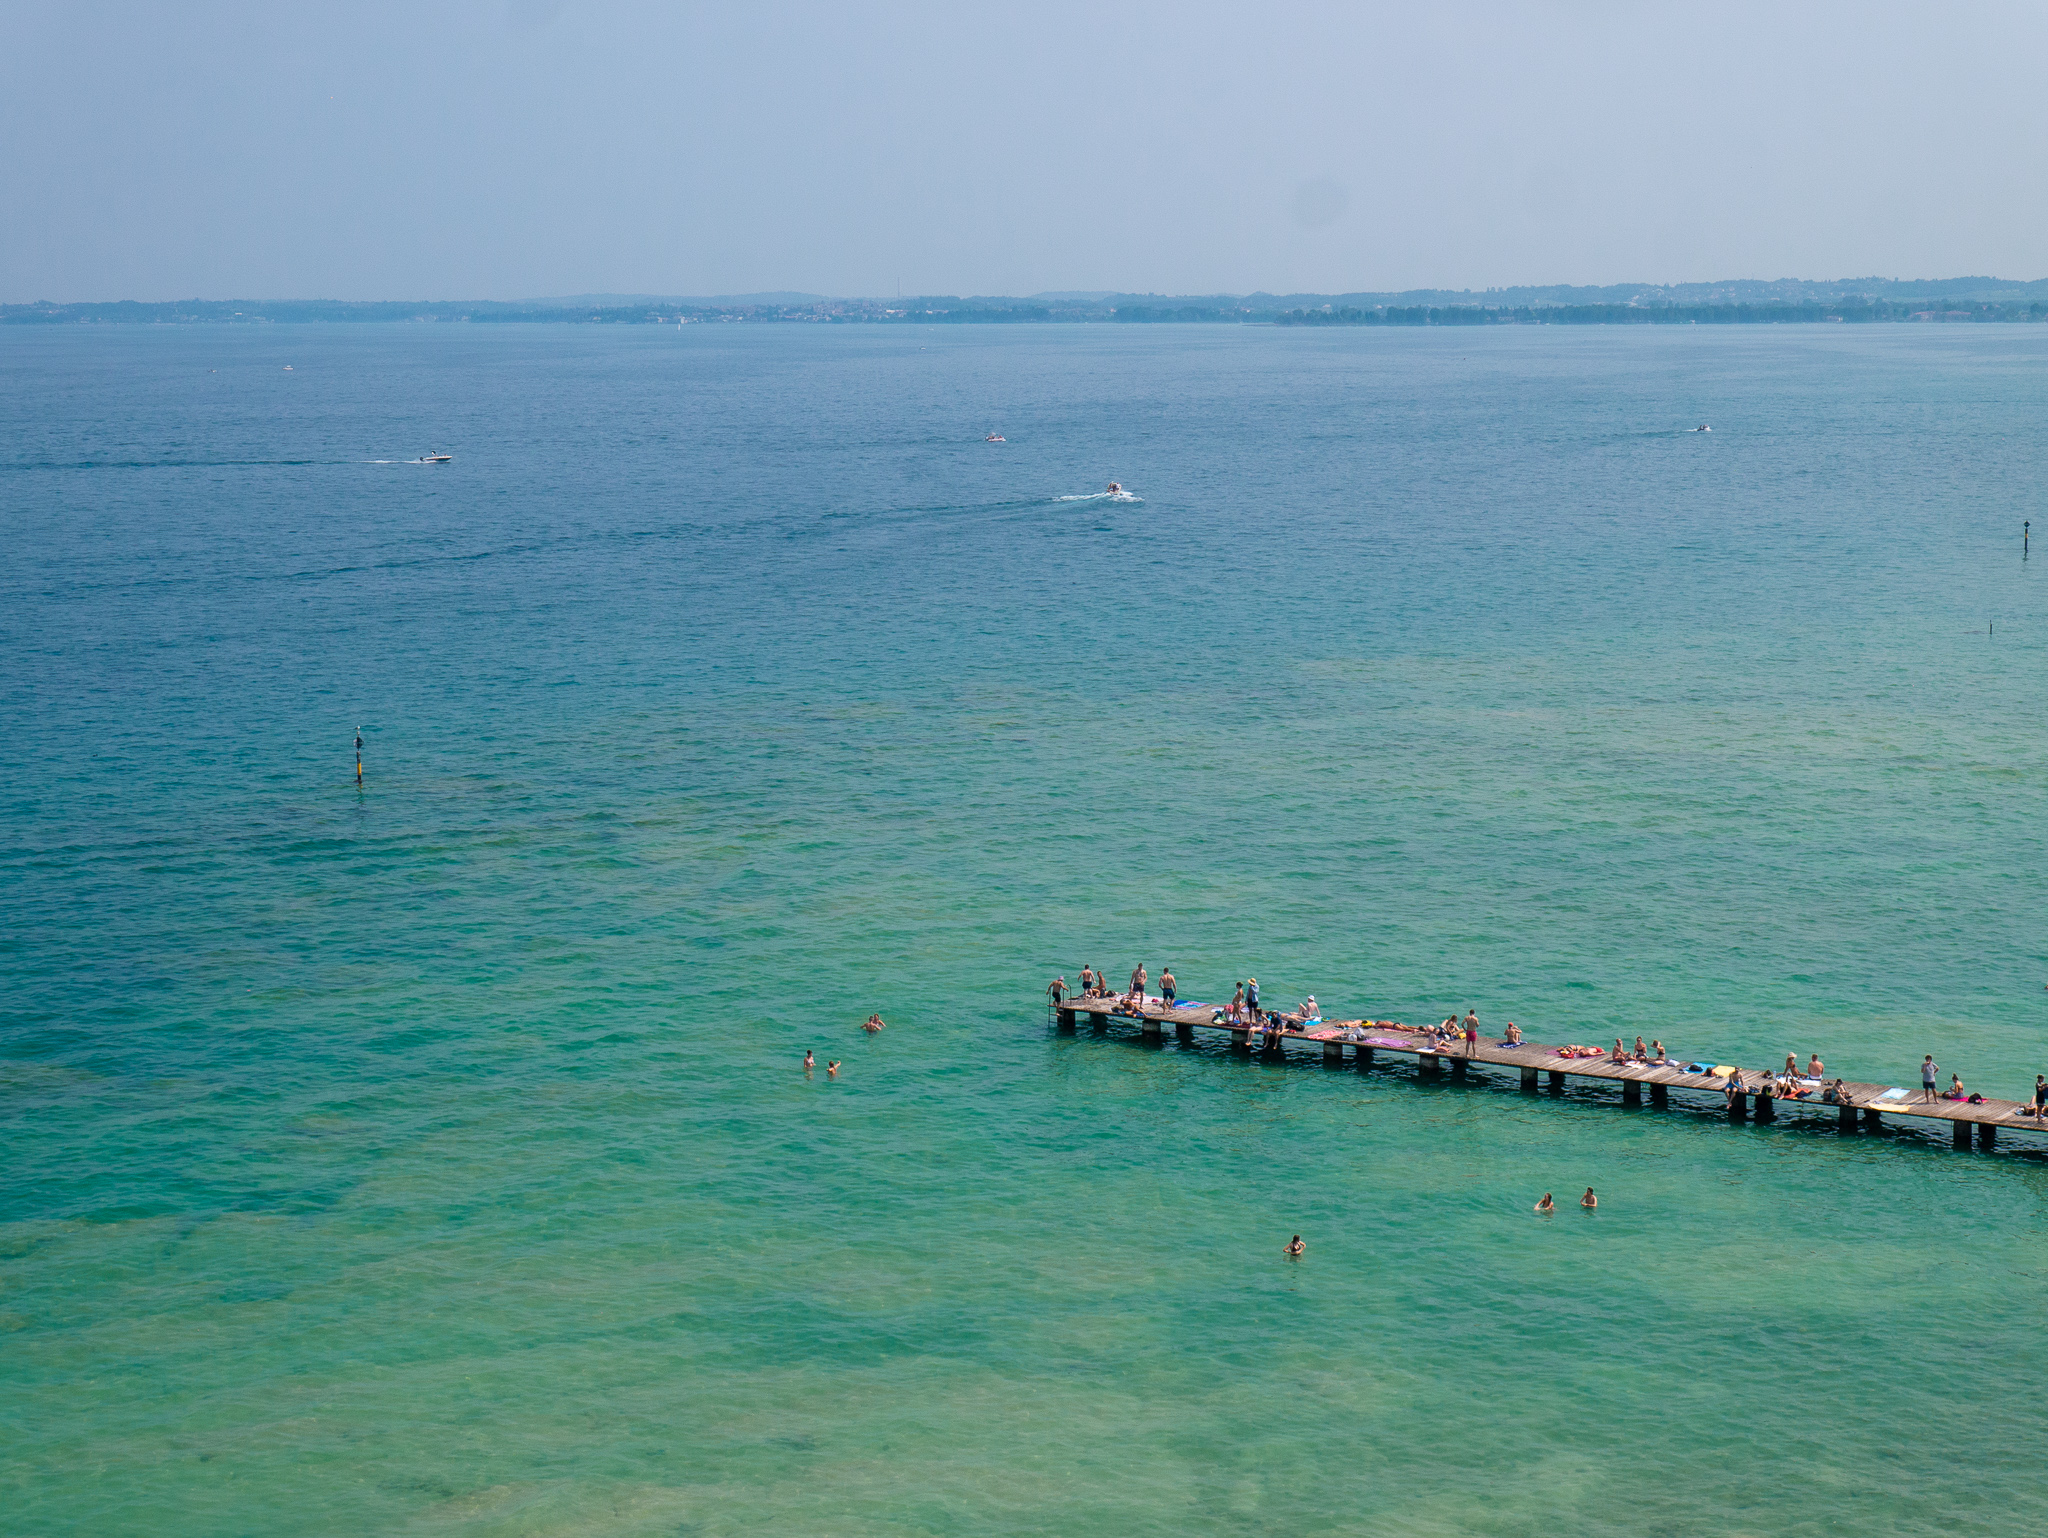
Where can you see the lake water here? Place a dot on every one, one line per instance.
(435, 1158)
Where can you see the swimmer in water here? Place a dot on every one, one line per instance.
(832, 1068)
(1589, 1200)
(809, 1061)
(1295, 1247)
(874, 1023)
(1546, 1205)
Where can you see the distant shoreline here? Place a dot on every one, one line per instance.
(1848, 310)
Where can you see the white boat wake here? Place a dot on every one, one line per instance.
(1102, 496)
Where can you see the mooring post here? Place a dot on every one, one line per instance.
(1660, 1095)
(1557, 1081)
(1960, 1131)
(1987, 1135)
(1528, 1081)
(1631, 1092)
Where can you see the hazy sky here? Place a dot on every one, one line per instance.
(515, 148)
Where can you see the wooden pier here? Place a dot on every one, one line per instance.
(1366, 1042)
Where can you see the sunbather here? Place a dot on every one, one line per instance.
(1514, 1038)
(1642, 1053)
(1657, 1052)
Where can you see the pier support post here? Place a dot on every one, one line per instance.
(1987, 1135)
(1871, 1119)
(1429, 1064)
(1631, 1092)
(1528, 1081)
(1960, 1132)
(1066, 1019)
(1557, 1081)
(1457, 1068)
(1333, 1054)
(1364, 1057)
(1738, 1106)
(1100, 1020)
(1150, 1027)
(1766, 1108)
(1183, 1030)
(1660, 1095)
(1845, 1119)
(1241, 1039)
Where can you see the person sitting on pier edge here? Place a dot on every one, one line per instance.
(1514, 1036)
(1617, 1055)
(1815, 1068)
(2040, 1092)
(1734, 1089)
(1166, 986)
(1657, 1052)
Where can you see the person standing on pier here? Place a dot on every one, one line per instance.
(1237, 1005)
(1251, 994)
(1930, 1072)
(1087, 982)
(1138, 982)
(1166, 986)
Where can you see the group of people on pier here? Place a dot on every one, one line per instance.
(1792, 1082)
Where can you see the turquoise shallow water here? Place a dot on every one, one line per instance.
(434, 1159)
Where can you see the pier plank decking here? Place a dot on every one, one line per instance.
(1867, 1104)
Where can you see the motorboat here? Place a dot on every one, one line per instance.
(1703, 428)
(1116, 489)
(995, 438)
(435, 459)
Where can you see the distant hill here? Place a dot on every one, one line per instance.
(1732, 301)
